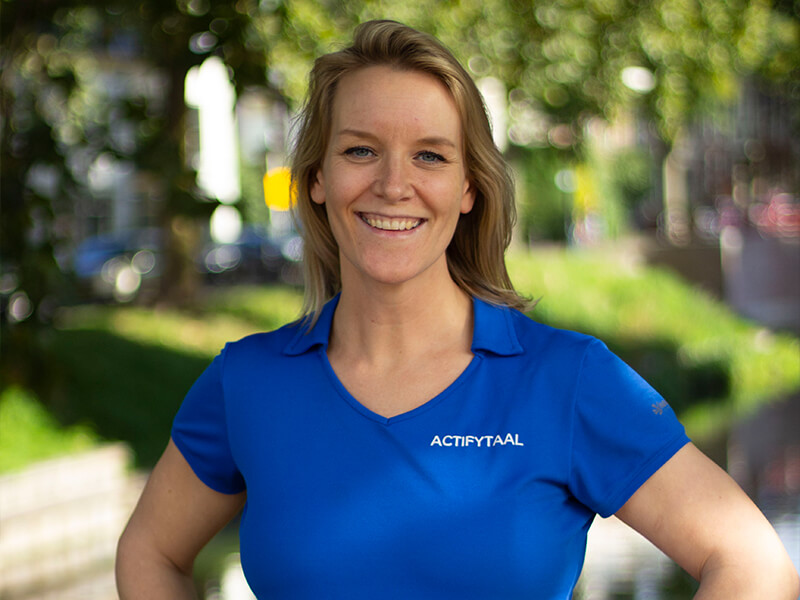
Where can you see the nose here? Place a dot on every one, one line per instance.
(393, 179)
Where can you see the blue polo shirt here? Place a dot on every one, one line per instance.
(485, 491)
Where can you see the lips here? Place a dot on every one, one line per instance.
(389, 223)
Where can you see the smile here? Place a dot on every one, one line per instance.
(387, 224)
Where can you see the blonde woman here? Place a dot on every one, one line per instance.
(415, 435)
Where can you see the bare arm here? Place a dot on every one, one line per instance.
(176, 516)
(696, 514)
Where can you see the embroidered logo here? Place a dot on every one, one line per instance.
(659, 408)
(481, 441)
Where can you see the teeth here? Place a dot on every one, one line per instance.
(392, 224)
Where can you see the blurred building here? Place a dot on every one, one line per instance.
(730, 192)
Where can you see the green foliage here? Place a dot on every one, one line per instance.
(122, 388)
(711, 365)
(30, 433)
(598, 212)
(88, 86)
(631, 170)
(83, 80)
(563, 59)
(252, 205)
(264, 308)
(543, 208)
(602, 189)
(126, 370)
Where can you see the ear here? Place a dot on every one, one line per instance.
(467, 197)
(317, 190)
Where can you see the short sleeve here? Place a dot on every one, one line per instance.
(623, 432)
(200, 431)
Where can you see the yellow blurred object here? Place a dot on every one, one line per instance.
(278, 191)
(586, 199)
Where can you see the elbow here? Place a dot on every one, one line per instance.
(768, 573)
(135, 566)
(781, 581)
(142, 571)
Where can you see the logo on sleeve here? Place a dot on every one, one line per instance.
(659, 408)
(481, 441)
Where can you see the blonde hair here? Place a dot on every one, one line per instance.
(476, 255)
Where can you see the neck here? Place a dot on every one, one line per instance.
(387, 321)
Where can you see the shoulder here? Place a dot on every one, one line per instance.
(518, 344)
(546, 340)
(257, 345)
(585, 358)
(528, 328)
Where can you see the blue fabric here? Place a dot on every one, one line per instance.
(486, 491)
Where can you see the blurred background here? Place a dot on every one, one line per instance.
(656, 149)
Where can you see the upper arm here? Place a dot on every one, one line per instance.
(177, 513)
(694, 512)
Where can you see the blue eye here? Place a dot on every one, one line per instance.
(359, 152)
(428, 156)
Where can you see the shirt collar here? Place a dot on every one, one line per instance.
(493, 330)
(304, 339)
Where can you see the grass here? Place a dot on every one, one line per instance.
(31, 433)
(123, 371)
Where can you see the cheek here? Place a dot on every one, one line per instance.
(339, 228)
(456, 198)
(337, 187)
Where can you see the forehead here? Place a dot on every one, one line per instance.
(387, 97)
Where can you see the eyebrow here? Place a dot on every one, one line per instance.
(428, 141)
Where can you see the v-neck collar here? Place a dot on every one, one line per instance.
(493, 332)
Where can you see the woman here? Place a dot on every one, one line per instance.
(415, 436)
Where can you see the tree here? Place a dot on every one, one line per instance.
(61, 113)
(568, 58)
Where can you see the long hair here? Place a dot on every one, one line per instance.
(476, 255)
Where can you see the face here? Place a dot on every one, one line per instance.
(393, 178)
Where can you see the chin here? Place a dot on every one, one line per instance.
(388, 270)
(392, 278)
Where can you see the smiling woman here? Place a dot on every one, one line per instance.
(393, 179)
(416, 435)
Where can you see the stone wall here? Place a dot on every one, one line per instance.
(59, 524)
